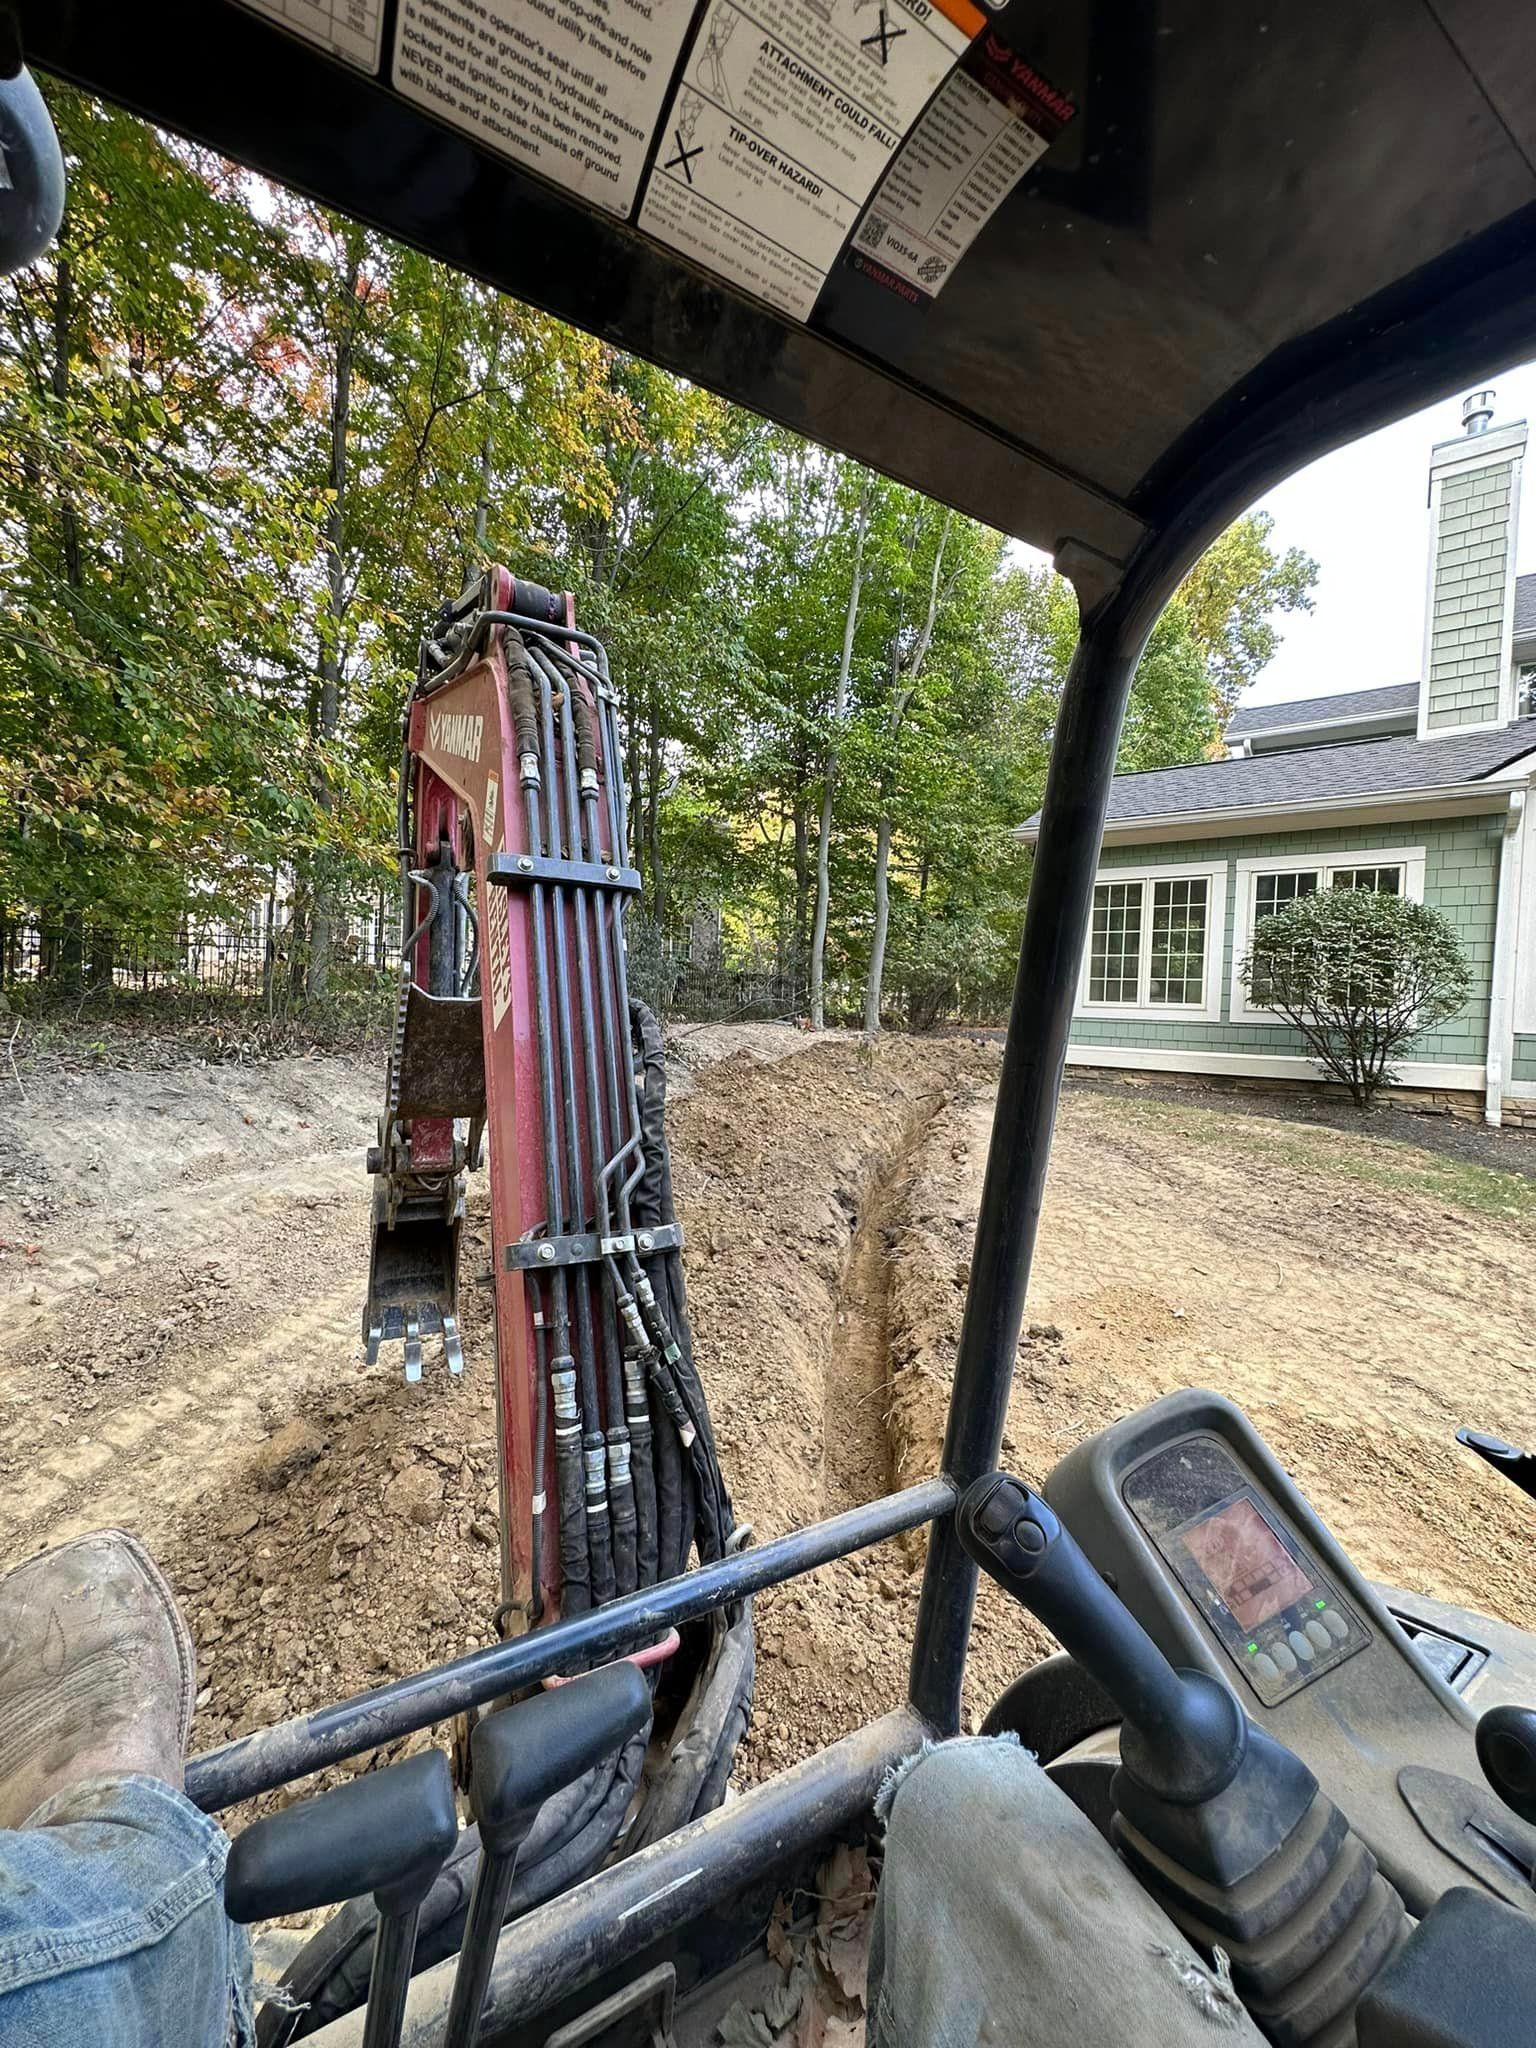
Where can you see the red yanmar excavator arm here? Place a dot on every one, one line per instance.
(514, 1023)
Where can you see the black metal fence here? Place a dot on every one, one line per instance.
(251, 957)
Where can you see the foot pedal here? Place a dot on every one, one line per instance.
(647, 2005)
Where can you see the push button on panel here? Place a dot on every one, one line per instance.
(1266, 1668)
(1283, 1655)
(1335, 1623)
(1319, 1635)
(1299, 1643)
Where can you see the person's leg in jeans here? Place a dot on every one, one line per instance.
(112, 1924)
(1004, 1917)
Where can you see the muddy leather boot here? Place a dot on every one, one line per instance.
(96, 1672)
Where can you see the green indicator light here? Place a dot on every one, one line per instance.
(1253, 1649)
(1319, 1603)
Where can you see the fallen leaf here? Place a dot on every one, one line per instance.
(780, 1948)
(743, 2029)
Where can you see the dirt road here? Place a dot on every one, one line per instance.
(182, 1256)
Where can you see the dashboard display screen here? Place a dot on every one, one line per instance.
(1246, 1562)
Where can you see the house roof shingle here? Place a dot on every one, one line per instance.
(1313, 774)
(1382, 702)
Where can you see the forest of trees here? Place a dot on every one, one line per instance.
(247, 449)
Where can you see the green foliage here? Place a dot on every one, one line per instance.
(1360, 975)
(248, 448)
(1231, 597)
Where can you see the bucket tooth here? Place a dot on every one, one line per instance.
(453, 1349)
(412, 1350)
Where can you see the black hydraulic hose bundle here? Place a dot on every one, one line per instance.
(553, 1304)
(682, 1472)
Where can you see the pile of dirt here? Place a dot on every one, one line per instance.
(180, 1353)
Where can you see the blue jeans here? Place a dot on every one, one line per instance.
(112, 1925)
(1005, 1920)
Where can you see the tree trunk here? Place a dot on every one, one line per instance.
(802, 858)
(901, 697)
(483, 500)
(653, 825)
(872, 987)
(829, 767)
(323, 907)
(63, 326)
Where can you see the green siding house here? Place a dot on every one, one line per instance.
(1423, 789)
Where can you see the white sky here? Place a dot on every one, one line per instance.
(1362, 515)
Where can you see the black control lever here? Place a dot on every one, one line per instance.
(1226, 1827)
(518, 1759)
(1506, 1749)
(388, 1833)
(1185, 1735)
(1517, 1466)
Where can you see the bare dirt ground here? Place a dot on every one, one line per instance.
(183, 1253)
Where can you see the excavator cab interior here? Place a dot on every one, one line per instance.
(1097, 272)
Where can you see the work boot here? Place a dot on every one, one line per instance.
(96, 1672)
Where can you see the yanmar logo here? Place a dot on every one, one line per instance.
(455, 732)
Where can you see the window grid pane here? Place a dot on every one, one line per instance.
(1178, 942)
(1272, 893)
(1386, 881)
(1114, 956)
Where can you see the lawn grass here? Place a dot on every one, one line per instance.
(1360, 1157)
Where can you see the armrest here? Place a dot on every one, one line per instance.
(1464, 1978)
(387, 1833)
(524, 1754)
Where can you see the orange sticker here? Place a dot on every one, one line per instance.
(968, 19)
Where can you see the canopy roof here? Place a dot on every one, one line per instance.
(1254, 233)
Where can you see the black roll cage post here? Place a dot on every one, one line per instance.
(1457, 321)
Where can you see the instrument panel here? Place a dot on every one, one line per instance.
(1274, 1610)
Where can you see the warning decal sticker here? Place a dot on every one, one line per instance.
(352, 29)
(788, 116)
(994, 118)
(572, 88)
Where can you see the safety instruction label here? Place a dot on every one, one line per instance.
(353, 29)
(788, 115)
(994, 118)
(572, 88)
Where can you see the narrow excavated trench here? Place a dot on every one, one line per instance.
(856, 1452)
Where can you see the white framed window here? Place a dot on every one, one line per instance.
(1154, 943)
(1267, 885)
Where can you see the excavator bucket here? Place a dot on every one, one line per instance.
(436, 1075)
(413, 1283)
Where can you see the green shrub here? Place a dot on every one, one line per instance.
(1360, 975)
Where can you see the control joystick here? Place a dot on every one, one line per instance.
(1226, 1827)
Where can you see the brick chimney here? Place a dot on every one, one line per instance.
(1474, 511)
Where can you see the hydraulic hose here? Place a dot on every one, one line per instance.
(621, 1496)
(520, 696)
(575, 1568)
(593, 1445)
